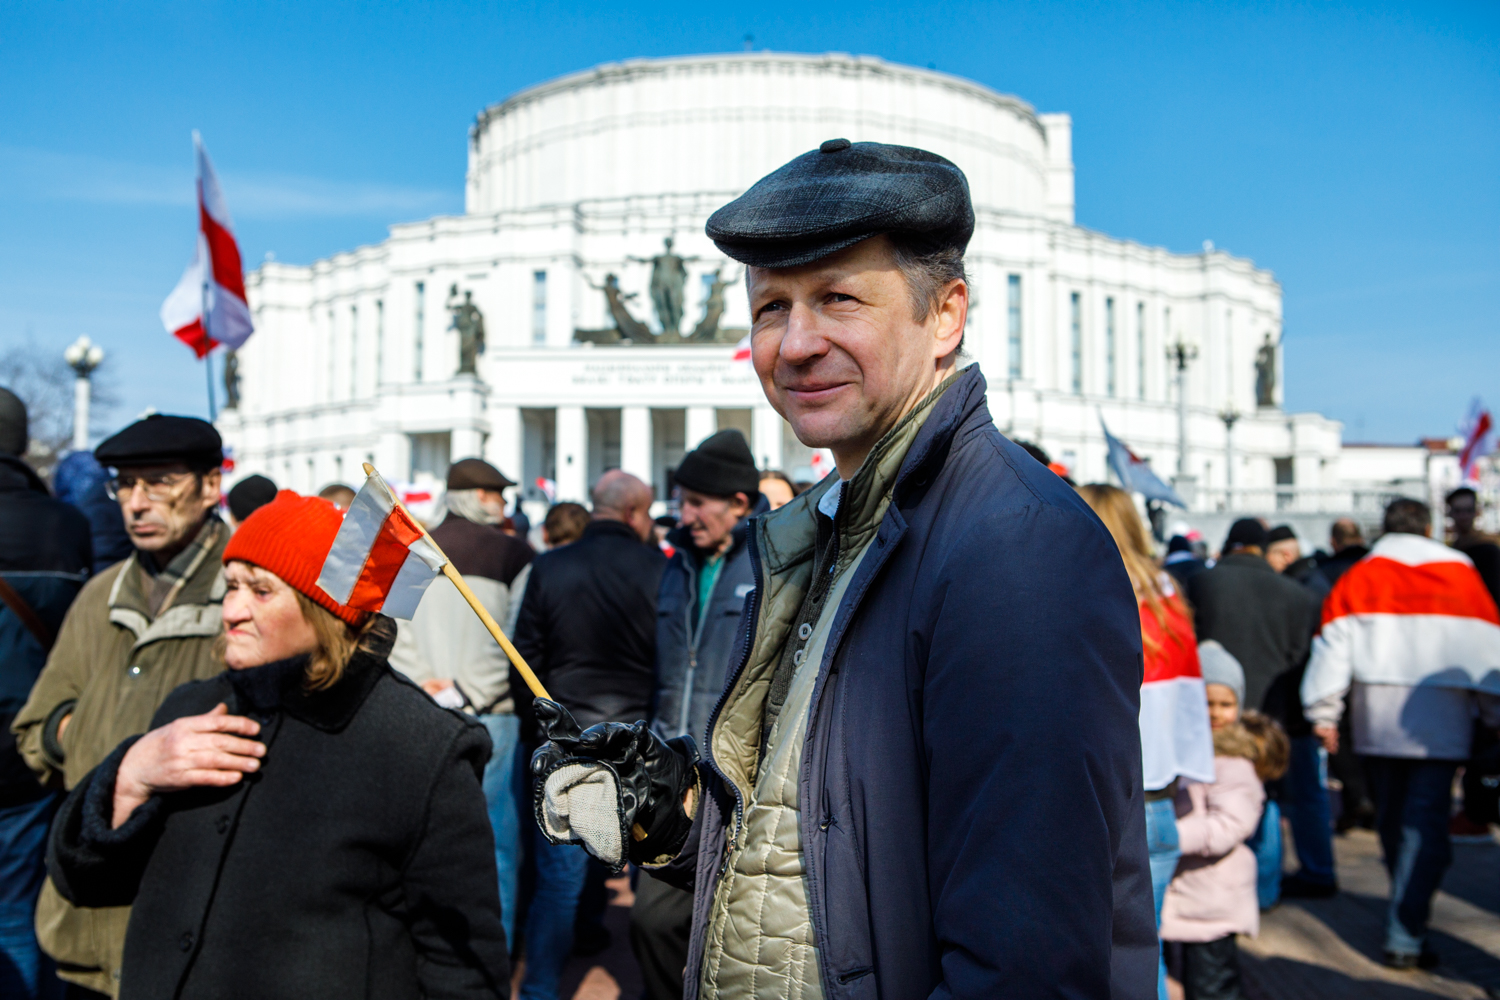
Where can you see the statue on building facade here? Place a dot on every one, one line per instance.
(1265, 374)
(713, 308)
(469, 322)
(668, 285)
(627, 326)
(232, 380)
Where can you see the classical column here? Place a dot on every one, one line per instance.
(503, 448)
(467, 442)
(635, 441)
(700, 423)
(765, 428)
(572, 454)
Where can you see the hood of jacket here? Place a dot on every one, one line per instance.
(16, 476)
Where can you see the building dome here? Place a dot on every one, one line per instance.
(716, 124)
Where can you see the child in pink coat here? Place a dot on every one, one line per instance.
(1212, 896)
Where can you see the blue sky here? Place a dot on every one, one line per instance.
(1352, 149)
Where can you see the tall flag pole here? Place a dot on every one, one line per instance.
(208, 306)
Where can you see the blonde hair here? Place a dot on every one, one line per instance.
(337, 640)
(1117, 511)
(1275, 750)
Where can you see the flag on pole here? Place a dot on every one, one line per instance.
(1478, 441)
(214, 283)
(1135, 475)
(381, 559)
(742, 351)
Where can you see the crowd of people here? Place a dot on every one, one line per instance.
(821, 723)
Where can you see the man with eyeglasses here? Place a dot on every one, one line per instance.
(137, 631)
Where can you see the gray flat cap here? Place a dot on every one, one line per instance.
(839, 194)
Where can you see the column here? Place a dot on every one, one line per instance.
(766, 437)
(635, 441)
(503, 449)
(572, 454)
(466, 442)
(701, 422)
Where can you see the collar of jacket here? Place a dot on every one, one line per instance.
(1246, 560)
(278, 685)
(194, 610)
(605, 526)
(17, 477)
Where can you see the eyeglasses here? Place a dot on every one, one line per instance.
(158, 487)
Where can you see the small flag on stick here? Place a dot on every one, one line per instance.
(383, 559)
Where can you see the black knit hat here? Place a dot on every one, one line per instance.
(1280, 533)
(721, 467)
(1246, 531)
(249, 495)
(161, 440)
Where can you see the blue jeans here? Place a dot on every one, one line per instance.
(1305, 800)
(1412, 802)
(25, 973)
(1163, 851)
(1266, 843)
(560, 874)
(499, 774)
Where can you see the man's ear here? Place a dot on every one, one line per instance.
(952, 314)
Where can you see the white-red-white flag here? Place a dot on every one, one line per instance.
(381, 560)
(1478, 441)
(215, 281)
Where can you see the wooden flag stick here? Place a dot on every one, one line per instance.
(479, 609)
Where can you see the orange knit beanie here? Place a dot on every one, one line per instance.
(291, 536)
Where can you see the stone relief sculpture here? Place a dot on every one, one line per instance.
(668, 291)
(1265, 374)
(707, 329)
(469, 322)
(627, 326)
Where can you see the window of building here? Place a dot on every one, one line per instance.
(1077, 342)
(1167, 341)
(333, 334)
(539, 307)
(1109, 345)
(1013, 328)
(1286, 478)
(354, 352)
(420, 321)
(379, 342)
(1140, 350)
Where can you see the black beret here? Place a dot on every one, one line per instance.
(249, 495)
(721, 467)
(161, 439)
(1246, 531)
(841, 193)
(476, 474)
(1280, 533)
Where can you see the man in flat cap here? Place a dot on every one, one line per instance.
(136, 631)
(447, 650)
(923, 776)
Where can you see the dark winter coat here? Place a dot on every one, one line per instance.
(692, 650)
(1264, 619)
(588, 626)
(45, 555)
(1321, 581)
(971, 812)
(357, 863)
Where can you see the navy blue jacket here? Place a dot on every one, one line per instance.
(45, 556)
(692, 650)
(972, 815)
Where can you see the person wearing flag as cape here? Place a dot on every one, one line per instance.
(923, 776)
(308, 823)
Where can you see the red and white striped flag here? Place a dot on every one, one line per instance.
(381, 560)
(215, 280)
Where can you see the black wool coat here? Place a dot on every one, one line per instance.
(357, 863)
(587, 626)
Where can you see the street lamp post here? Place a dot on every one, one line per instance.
(1182, 354)
(1230, 416)
(83, 356)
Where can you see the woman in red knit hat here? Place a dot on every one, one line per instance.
(307, 823)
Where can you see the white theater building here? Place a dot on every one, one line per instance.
(356, 357)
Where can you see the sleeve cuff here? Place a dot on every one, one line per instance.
(51, 744)
(99, 806)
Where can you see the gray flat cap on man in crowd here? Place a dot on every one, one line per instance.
(841, 193)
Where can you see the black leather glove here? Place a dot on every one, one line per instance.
(616, 789)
